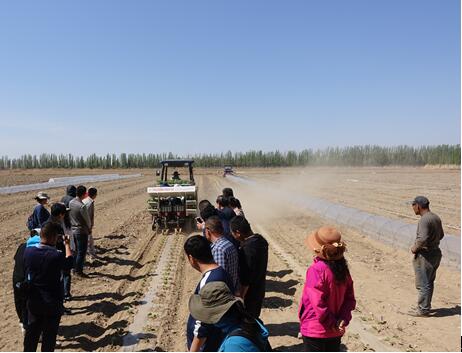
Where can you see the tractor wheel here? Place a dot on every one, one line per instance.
(155, 227)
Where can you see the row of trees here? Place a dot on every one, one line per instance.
(345, 156)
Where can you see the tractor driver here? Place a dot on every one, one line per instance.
(176, 175)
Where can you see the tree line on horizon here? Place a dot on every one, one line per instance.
(355, 156)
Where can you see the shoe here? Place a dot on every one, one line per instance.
(418, 313)
(81, 275)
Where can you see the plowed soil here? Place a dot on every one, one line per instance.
(131, 256)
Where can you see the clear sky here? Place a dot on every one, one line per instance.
(211, 76)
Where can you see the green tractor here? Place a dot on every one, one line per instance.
(173, 201)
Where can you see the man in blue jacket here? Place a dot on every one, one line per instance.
(40, 214)
(44, 265)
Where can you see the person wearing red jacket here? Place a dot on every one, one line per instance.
(328, 296)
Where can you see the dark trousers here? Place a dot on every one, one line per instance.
(82, 243)
(313, 344)
(67, 282)
(44, 325)
(253, 306)
(425, 266)
(20, 305)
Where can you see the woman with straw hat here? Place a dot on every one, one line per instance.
(328, 296)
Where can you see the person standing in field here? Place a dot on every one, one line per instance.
(66, 199)
(70, 194)
(81, 227)
(19, 277)
(427, 254)
(40, 214)
(227, 192)
(226, 213)
(58, 214)
(206, 210)
(253, 263)
(89, 203)
(235, 204)
(216, 306)
(328, 296)
(44, 265)
(201, 336)
(223, 251)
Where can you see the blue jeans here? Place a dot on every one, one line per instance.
(82, 243)
(425, 266)
(67, 282)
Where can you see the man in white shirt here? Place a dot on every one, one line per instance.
(89, 203)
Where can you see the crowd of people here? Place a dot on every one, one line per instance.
(56, 249)
(232, 259)
(226, 305)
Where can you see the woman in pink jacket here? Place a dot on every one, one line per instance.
(328, 297)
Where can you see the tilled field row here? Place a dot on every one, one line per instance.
(109, 297)
(155, 320)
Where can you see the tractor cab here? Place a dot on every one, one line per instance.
(176, 172)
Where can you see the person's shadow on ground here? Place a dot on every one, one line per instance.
(443, 312)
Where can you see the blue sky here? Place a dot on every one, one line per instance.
(211, 76)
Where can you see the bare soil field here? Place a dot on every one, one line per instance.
(131, 258)
(32, 176)
(382, 191)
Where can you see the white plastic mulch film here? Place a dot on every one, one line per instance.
(64, 181)
(393, 232)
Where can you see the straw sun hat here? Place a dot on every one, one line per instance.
(327, 243)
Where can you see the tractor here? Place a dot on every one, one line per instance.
(228, 170)
(172, 202)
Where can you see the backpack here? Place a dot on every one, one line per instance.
(239, 339)
(30, 223)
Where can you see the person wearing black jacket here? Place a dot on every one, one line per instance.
(58, 214)
(19, 276)
(226, 213)
(70, 194)
(40, 214)
(44, 265)
(253, 263)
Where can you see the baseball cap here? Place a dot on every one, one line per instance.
(421, 201)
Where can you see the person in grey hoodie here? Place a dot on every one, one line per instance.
(81, 227)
